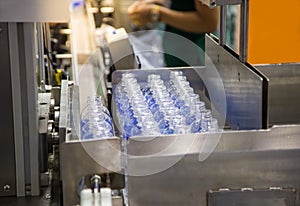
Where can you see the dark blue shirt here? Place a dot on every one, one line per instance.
(181, 53)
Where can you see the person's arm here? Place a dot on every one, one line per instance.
(202, 20)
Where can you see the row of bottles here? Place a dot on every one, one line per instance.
(157, 107)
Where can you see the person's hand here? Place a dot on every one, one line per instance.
(140, 13)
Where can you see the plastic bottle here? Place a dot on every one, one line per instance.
(96, 120)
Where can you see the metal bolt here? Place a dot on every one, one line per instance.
(276, 188)
(95, 179)
(6, 188)
(224, 189)
(48, 196)
(213, 4)
(246, 189)
(1, 29)
(69, 130)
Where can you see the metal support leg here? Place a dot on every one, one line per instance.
(17, 108)
(47, 42)
(31, 87)
(23, 66)
(223, 15)
(244, 31)
(41, 60)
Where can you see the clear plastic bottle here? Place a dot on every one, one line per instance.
(206, 120)
(96, 120)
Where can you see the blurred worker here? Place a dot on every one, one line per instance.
(188, 18)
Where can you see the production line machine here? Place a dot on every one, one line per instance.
(251, 159)
(243, 164)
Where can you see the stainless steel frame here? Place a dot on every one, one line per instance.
(35, 11)
(249, 159)
(252, 161)
(243, 50)
(82, 158)
(21, 92)
(8, 150)
(249, 196)
(187, 169)
(244, 89)
(243, 53)
(17, 109)
(267, 94)
(31, 104)
(283, 97)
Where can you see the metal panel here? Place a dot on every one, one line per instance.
(248, 159)
(249, 197)
(7, 149)
(17, 108)
(80, 159)
(63, 114)
(31, 104)
(283, 92)
(243, 87)
(22, 62)
(35, 11)
(22, 105)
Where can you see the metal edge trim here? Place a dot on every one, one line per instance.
(29, 43)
